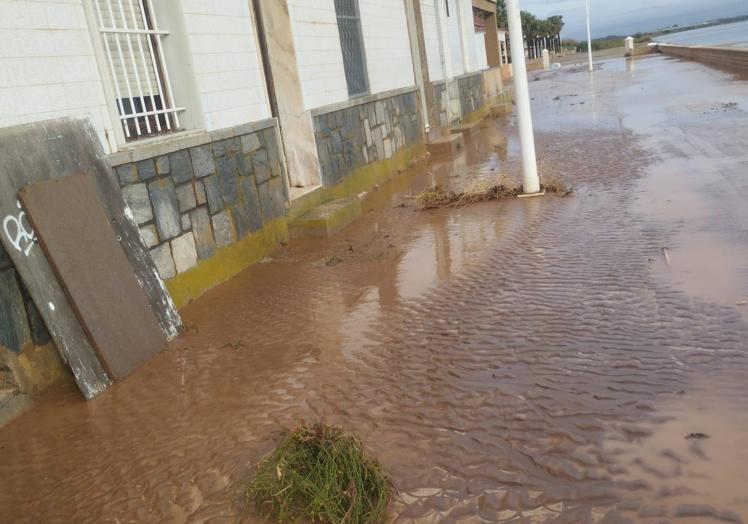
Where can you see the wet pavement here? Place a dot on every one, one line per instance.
(537, 360)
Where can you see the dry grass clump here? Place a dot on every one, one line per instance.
(501, 187)
(552, 184)
(438, 196)
(320, 474)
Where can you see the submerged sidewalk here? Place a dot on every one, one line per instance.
(539, 359)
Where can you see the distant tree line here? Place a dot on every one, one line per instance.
(613, 41)
(539, 33)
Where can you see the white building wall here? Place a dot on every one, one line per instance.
(480, 51)
(468, 31)
(459, 39)
(388, 58)
(320, 59)
(318, 52)
(431, 40)
(47, 66)
(226, 61)
(454, 38)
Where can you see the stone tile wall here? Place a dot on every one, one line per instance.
(357, 135)
(20, 322)
(439, 111)
(471, 93)
(191, 202)
(468, 89)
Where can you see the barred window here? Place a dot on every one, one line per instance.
(352, 44)
(135, 58)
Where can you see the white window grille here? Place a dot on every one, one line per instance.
(132, 42)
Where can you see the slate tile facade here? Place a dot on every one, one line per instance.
(190, 202)
(367, 132)
(470, 91)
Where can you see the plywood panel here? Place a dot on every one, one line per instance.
(85, 253)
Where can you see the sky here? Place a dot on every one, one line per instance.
(630, 16)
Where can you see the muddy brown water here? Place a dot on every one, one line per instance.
(513, 361)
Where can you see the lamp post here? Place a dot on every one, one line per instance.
(589, 36)
(530, 181)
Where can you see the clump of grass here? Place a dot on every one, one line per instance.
(320, 474)
(502, 187)
(439, 196)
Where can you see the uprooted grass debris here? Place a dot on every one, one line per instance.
(320, 474)
(501, 187)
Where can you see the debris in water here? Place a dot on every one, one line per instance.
(320, 474)
(667, 256)
(501, 187)
(696, 436)
(333, 261)
(741, 303)
(236, 346)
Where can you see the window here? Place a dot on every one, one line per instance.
(135, 59)
(351, 42)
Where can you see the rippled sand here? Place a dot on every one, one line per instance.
(520, 361)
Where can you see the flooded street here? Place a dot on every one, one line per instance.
(538, 360)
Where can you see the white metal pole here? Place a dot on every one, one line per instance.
(589, 36)
(530, 181)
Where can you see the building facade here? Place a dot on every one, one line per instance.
(223, 121)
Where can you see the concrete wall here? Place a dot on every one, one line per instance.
(191, 198)
(733, 59)
(365, 131)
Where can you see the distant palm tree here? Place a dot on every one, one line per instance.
(501, 20)
(538, 33)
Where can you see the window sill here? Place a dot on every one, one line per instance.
(169, 143)
(365, 99)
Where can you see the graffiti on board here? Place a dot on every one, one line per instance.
(20, 235)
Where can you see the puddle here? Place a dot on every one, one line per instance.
(512, 361)
(694, 462)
